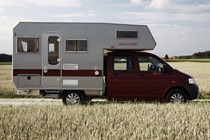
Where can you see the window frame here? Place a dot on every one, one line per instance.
(139, 69)
(127, 56)
(128, 38)
(76, 46)
(54, 45)
(30, 37)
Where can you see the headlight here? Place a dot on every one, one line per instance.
(191, 81)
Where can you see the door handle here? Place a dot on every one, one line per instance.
(59, 60)
(45, 69)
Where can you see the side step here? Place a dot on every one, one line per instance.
(51, 93)
(54, 96)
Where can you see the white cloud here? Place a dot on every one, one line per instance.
(8, 2)
(88, 16)
(76, 15)
(60, 3)
(7, 25)
(202, 7)
(1, 10)
(136, 2)
(178, 6)
(26, 3)
(6, 32)
(179, 40)
(121, 5)
(147, 17)
(158, 4)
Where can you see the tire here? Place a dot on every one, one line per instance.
(176, 96)
(73, 98)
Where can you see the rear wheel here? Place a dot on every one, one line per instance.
(73, 98)
(176, 96)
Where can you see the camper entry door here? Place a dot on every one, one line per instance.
(51, 65)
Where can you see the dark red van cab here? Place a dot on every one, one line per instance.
(144, 76)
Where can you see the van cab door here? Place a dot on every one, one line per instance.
(120, 77)
(151, 80)
(51, 65)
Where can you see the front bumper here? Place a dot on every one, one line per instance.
(193, 91)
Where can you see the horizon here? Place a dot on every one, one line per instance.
(152, 50)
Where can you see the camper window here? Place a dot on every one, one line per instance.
(76, 45)
(127, 34)
(27, 45)
(53, 50)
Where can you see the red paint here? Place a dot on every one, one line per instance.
(140, 85)
(26, 71)
(81, 72)
(53, 72)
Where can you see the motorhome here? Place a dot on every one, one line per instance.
(80, 61)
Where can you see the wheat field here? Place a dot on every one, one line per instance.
(7, 87)
(108, 121)
(114, 121)
(200, 71)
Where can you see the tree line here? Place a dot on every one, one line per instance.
(5, 58)
(205, 54)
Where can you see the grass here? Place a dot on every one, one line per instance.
(106, 121)
(189, 60)
(7, 88)
(5, 63)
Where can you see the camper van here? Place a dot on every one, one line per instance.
(77, 62)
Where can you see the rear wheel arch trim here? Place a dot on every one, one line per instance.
(64, 92)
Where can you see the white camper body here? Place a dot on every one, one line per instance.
(70, 56)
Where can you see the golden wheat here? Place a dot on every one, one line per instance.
(106, 121)
(6, 84)
(200, 71)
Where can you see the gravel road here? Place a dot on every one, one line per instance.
(24, 101)
(36, 101)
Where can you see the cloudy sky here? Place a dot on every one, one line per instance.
(180, 27)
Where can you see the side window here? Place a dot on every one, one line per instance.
(27, 44)
(76, 45)
(126, 34)
(53, 50)
(149, 64)
(123, 63)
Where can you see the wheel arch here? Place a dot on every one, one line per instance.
(177, 87)
(64, 92)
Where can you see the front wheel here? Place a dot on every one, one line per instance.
(73, 98)
(176, 96)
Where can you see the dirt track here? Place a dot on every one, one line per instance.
(27, 101)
